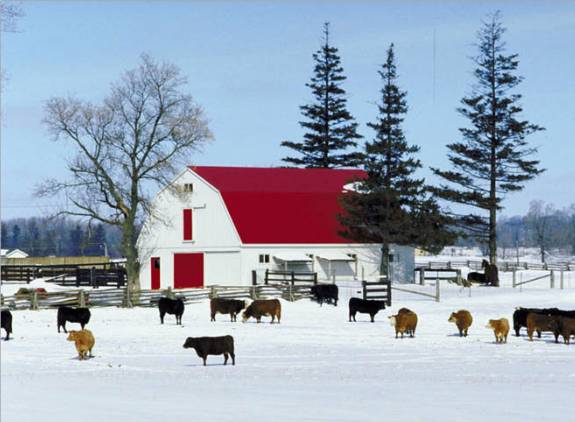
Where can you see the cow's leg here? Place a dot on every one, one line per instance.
(336, 302)
(233, 355)
(259, 319)
(162, 315)
(204, 358)
(225, 358)
(538, 333)
(516, 327)
(64, 327)
(371, 316)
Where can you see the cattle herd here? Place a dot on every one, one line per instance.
(535, 320)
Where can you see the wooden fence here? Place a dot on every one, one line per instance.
(89, 274)
(551, 275)
(122, 297)
(447, 274)
(502, 265)
(379, 290)
(291, 277)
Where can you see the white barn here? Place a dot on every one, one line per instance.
(220, 224)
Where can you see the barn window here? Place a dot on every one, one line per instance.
(188, 224)
(188, 187)
(264, 258)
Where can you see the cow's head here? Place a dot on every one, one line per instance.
(72, 335)
(452, 318)
(190, 342)
(392, 320)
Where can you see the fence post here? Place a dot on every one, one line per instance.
(561, 280)
(514, 282)
(254, 278)
(333, 276)
(213, 293)
(266, 277)
(364, 286)
(388, 292)
(437, 289)
(422, 277)
(459, 278)
(552, 279)
(314, 278)
(81, 299)
(34, 301)
(292, 279)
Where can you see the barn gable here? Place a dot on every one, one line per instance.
(282, 205)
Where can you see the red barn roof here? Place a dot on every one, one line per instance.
(282, 205)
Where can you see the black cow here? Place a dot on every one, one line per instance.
(520, 316)
(79, 315)
(6, 317)
(328, 293)
(475, 277)
(226, 306)
(205, 346)
(363, 306)
(172, 307)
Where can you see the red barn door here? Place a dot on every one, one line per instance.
(155, 268)
(188, 270)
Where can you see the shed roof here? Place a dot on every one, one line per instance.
(282, 205)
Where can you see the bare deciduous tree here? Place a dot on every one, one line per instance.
(9, 14)
(538, 221)
(136, 138)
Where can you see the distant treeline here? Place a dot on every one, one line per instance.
(544, 227)
(38, 236)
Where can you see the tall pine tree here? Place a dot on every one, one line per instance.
(493, 158)
(391, 205)
(330, 129)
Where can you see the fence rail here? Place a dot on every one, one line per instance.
(380, 290)
(502, 265)
(62, 274)
(291, 277)
(34, 299)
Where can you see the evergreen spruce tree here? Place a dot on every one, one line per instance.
(391, 205)
(331, 131)
(493, 157)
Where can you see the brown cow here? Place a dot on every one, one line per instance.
(462, 320)
(405, 322)
(539, 323)
(566, 327)
(500, 328)
(84, 342)
(259, 308)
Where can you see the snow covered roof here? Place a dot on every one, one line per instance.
(15, 253)
(292, 257)
(282, 205)
(335, 256)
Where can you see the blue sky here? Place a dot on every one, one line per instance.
(247, 65)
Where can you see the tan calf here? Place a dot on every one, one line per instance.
(462, 320)
(84, 341)
(405, 322)
(500, 328)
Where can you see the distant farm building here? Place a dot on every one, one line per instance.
(14, 253)
(217, 225)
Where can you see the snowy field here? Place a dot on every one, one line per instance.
(314, 366)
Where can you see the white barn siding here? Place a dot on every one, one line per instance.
(213, 231)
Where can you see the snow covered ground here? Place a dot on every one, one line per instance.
(314, 366)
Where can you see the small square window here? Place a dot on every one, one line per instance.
(188, 187)
(264, 258)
